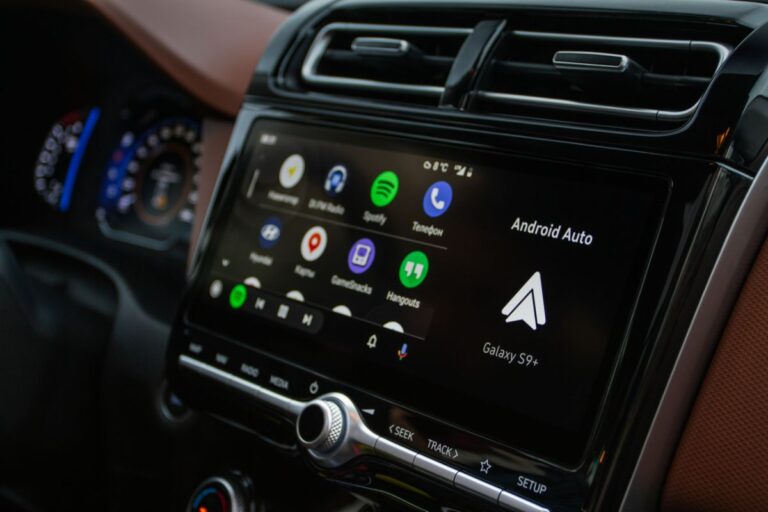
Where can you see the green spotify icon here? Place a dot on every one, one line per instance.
(237, 296)
(384, 188)
(413, 269)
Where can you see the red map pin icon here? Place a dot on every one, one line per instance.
(314, 242)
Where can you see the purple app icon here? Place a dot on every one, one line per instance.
(361, 256)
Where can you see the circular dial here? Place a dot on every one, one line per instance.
(320, 425)
(150, 190)
(222, 494)
(60, 156)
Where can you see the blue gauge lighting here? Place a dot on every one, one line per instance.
(77, 157)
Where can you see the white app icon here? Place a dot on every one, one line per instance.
(253, 282)
(527, 304)
(215, 289)
(394, 326)
(314, 243)
(292, 171)
(341, 309)
(295, 295)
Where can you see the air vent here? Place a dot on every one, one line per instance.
(407, 63)
(592, 77)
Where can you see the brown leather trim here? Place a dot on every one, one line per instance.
(210, 47)
(722, 461)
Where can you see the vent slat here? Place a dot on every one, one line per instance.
(661, 80)
(335, 63)
(350, 58)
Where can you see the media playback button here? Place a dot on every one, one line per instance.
(282, 310)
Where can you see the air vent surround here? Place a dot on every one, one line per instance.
(391, 45)
(579, 61)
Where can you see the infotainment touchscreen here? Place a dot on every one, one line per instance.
(488, 290)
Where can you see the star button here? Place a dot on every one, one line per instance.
(485, 466)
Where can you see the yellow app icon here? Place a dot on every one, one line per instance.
(292, 171)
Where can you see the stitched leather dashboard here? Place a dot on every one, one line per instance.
(211, 47)
(722, 460)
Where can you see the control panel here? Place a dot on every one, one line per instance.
(424, 320)
(334, 432)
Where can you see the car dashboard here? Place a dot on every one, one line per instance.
(114, 145)
(443, 256)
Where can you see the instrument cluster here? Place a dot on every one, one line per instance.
(132, 168)
(149, 190)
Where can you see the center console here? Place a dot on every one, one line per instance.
(440, 313)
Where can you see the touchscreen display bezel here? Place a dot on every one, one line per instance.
(557, 445)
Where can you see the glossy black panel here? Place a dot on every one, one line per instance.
(700, 191)
(707, 161)
(575, 238)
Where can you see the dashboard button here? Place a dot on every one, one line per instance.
(442, 449)
(404, 434)
(309, 320)
(512, 502)
(249, 371)
(222, 360)
(279, 382)
(477, 487)
(394, 451)
(288, 312)
(435, 469)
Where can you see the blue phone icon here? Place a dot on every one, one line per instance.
(438, 199)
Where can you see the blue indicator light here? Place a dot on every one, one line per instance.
(200, 497)
(77, 158)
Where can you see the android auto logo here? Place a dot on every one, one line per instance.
(527, 304)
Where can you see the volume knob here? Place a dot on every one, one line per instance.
(320, 426)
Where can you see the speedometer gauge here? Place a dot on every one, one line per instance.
(59, 160)
(150, 188)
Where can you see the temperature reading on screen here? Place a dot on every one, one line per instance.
(444, 167)
(436, 165)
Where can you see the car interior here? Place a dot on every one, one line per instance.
(384, 255)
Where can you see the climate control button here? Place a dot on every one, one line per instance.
(222, 494)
